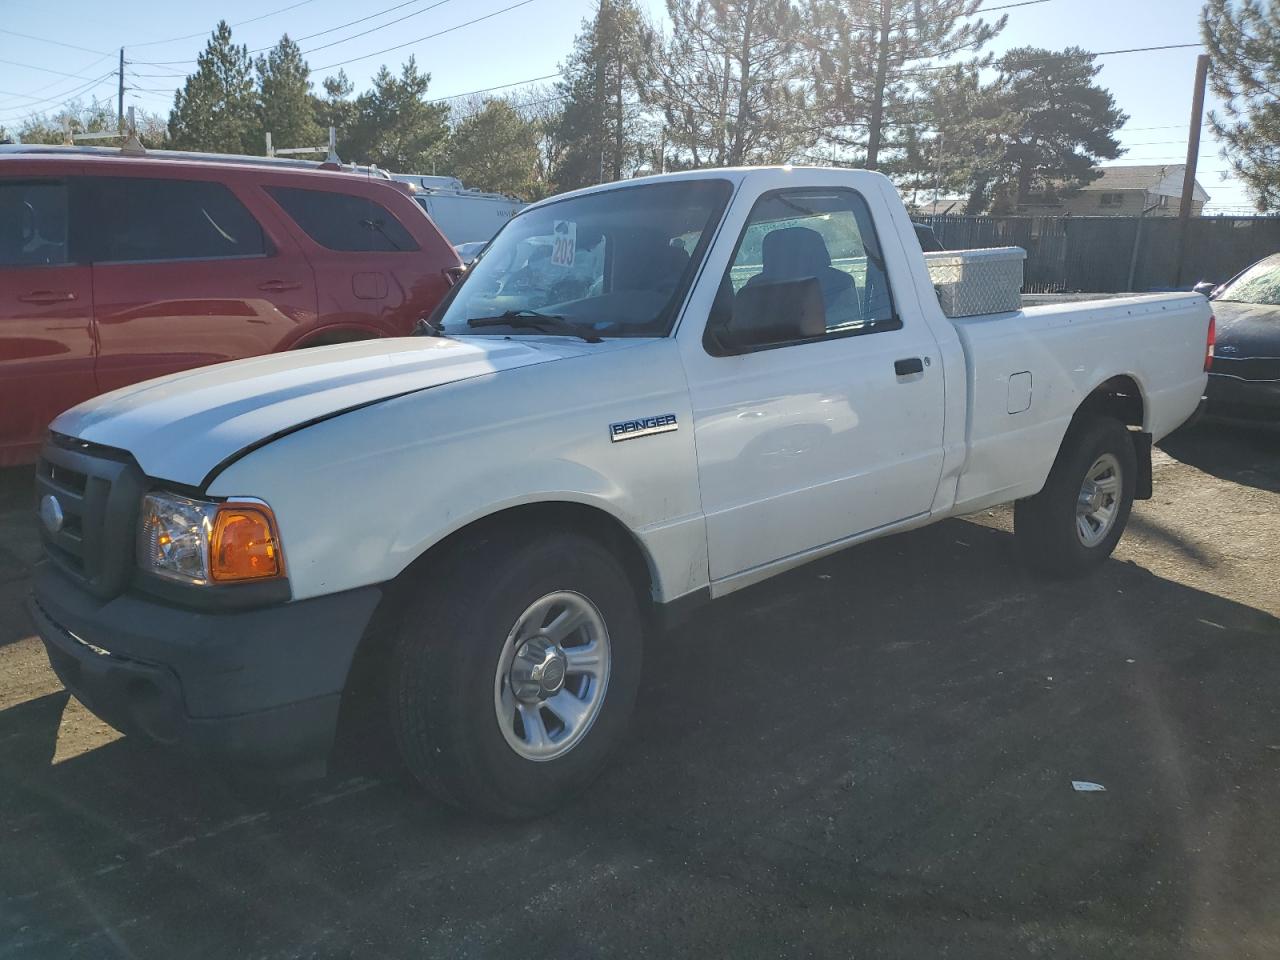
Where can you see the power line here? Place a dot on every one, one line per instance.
(501, 86)
(364, 33)
(321, 33)
(35, 97)
(60, 73)
(241, 23)
(56, 43)
(910, 22)
(1059, 56)
(1172, 126)
(430, 36)
(64, 97)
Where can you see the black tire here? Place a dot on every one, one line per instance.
(1045, 526)
(445, 661)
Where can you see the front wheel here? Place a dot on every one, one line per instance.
(514, 675)
(1075, 522)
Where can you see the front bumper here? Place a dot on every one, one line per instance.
(258, 688)
(1236, 399)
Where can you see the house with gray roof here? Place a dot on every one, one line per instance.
(1125, 191)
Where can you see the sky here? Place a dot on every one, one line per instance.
(523, 39)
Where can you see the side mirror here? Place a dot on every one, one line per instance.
(1205, 287)
(765, 313)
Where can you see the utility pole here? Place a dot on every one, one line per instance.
(120, 95)
(1193, 155)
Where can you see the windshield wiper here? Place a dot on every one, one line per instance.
(534, 320)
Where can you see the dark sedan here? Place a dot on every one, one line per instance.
(1244, 381)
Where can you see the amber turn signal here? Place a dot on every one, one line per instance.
(244, 544)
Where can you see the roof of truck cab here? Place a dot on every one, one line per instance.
(736, 175)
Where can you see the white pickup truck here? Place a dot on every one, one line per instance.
(714, 377)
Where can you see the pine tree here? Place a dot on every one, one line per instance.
(495, 149)
(600, 124)
(336, 108)
(395, 126)
(1067, 122)
(730, 82)
(541, 109)
(1243, 41)
(286, 108)
(972, 129)
(216, 110)
(867, 58)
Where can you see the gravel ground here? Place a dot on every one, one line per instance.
(870, 756)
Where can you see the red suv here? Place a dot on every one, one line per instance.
(116, 269)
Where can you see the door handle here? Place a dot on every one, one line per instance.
(904, 368)
(276, 285)
(47, 296)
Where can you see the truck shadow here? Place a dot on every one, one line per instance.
(875, 749)
(1248, 455)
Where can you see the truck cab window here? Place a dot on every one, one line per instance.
(610, 264)
(822, 235)
(33, 224)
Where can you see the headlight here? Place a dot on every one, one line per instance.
(199, 542)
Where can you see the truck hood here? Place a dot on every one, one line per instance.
(184, 426)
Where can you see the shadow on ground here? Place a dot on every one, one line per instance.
(872, 755)
(17, 487)
(1244, 454)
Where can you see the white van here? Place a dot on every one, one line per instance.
(463, 215)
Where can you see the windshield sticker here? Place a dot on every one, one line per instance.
(566, 232)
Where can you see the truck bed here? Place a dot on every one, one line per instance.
(1060, 352)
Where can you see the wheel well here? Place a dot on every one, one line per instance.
(1119, 398)
(525, 520)
(554, 516)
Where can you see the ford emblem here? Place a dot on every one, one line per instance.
(51, 513)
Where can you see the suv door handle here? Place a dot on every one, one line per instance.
(276, 285)
(904, 368)
(47, 296)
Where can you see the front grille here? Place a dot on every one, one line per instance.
(97, 491)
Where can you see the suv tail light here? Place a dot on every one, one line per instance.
(1209, 341)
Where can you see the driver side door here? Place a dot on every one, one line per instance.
(813, 440)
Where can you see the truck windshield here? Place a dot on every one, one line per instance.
(610, 264)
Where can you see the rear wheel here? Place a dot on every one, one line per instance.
(1074, 523)
(513, 677)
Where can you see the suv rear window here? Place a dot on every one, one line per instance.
(134, 218)
(342, 221)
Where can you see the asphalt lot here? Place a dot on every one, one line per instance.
(871, 756)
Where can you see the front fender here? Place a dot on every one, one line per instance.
(360, 496)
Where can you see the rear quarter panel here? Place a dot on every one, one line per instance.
(1069, 350)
